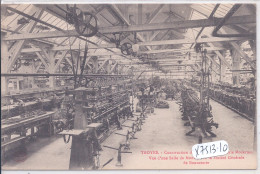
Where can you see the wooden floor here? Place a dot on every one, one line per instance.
(162, 131)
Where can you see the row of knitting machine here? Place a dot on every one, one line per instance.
(26, 116)
(241, 100)
(94, 111)
(194, 97)
(194, 104)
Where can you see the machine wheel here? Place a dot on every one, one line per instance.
(126, 49)
(86, 24)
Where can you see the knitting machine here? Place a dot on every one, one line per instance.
(169, 93)
(146, 98)
(162, 104)
(197, 110)
(100, 106)
(171, 89)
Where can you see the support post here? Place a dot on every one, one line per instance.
(253, 47)
(4, 60)
(108, 67)
(52, 79)
(95, 64)
(236, 59)
(223, 68)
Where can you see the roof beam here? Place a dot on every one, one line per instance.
(140, 13)
(234, 45)
(180, 24)
(103, 64)
(240, 52)
(19, 45)
(42, 60)
(221, 57)
(154, 14)
(113, 68)
(60, 60)
(52, 26)
(200, 10)
(38, 67)
(62, 48)
(178, 34)
(47, 56)
(190, 41)
(17, 30)
(63, 55)
(243, 54)
(69, 61)
(182, 50)
(153, 36)
(140, 28)
(173, 58)
(213, 61)
(120, 70)
(176, 63)
(166, 42)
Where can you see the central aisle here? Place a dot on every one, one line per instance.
(164, 132)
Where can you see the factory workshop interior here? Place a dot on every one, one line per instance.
(111, 86)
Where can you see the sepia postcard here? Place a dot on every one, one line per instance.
(108, 86)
